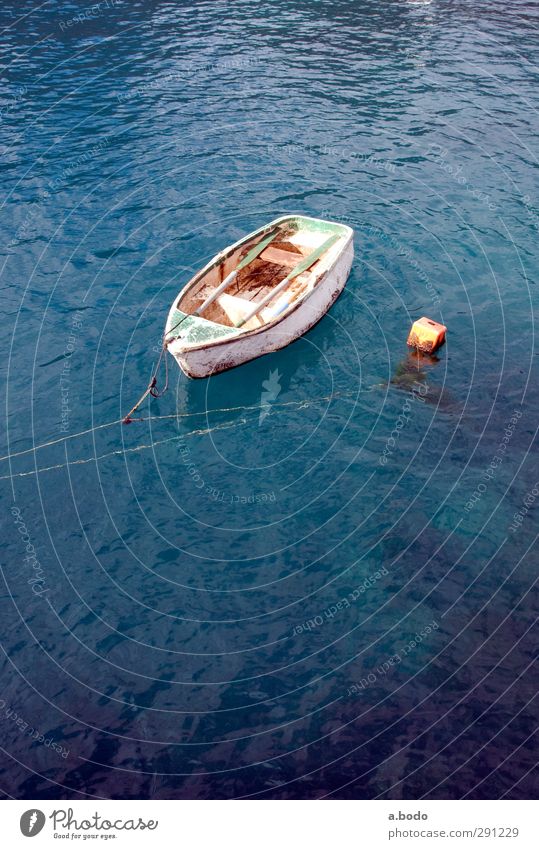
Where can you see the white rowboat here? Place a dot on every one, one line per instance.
(259, 294)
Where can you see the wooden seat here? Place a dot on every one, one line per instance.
(288, 259)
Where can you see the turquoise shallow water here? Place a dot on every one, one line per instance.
(307, 582)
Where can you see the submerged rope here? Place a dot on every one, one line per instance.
(306, 402)
(151, 390)
(122, 451)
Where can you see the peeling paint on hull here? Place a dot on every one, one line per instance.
(203, 361)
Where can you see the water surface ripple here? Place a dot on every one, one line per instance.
(298, 579)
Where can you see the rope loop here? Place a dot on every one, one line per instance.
(151, 388)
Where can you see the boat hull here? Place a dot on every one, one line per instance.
(232, 351)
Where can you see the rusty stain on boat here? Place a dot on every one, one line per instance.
(294, 280)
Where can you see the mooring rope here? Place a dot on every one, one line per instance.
(122, 451)
(306, 402)
(150, 390)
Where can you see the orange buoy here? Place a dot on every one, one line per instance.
(426, 335)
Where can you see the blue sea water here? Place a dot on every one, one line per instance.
(304, 580)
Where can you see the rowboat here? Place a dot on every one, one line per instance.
(259, 294)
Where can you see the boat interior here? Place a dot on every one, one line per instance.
(292, 243)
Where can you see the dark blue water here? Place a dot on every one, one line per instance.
(309, 580)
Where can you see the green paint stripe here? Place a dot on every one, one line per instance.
(254, 252)
(313, 257)
(197, 330)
